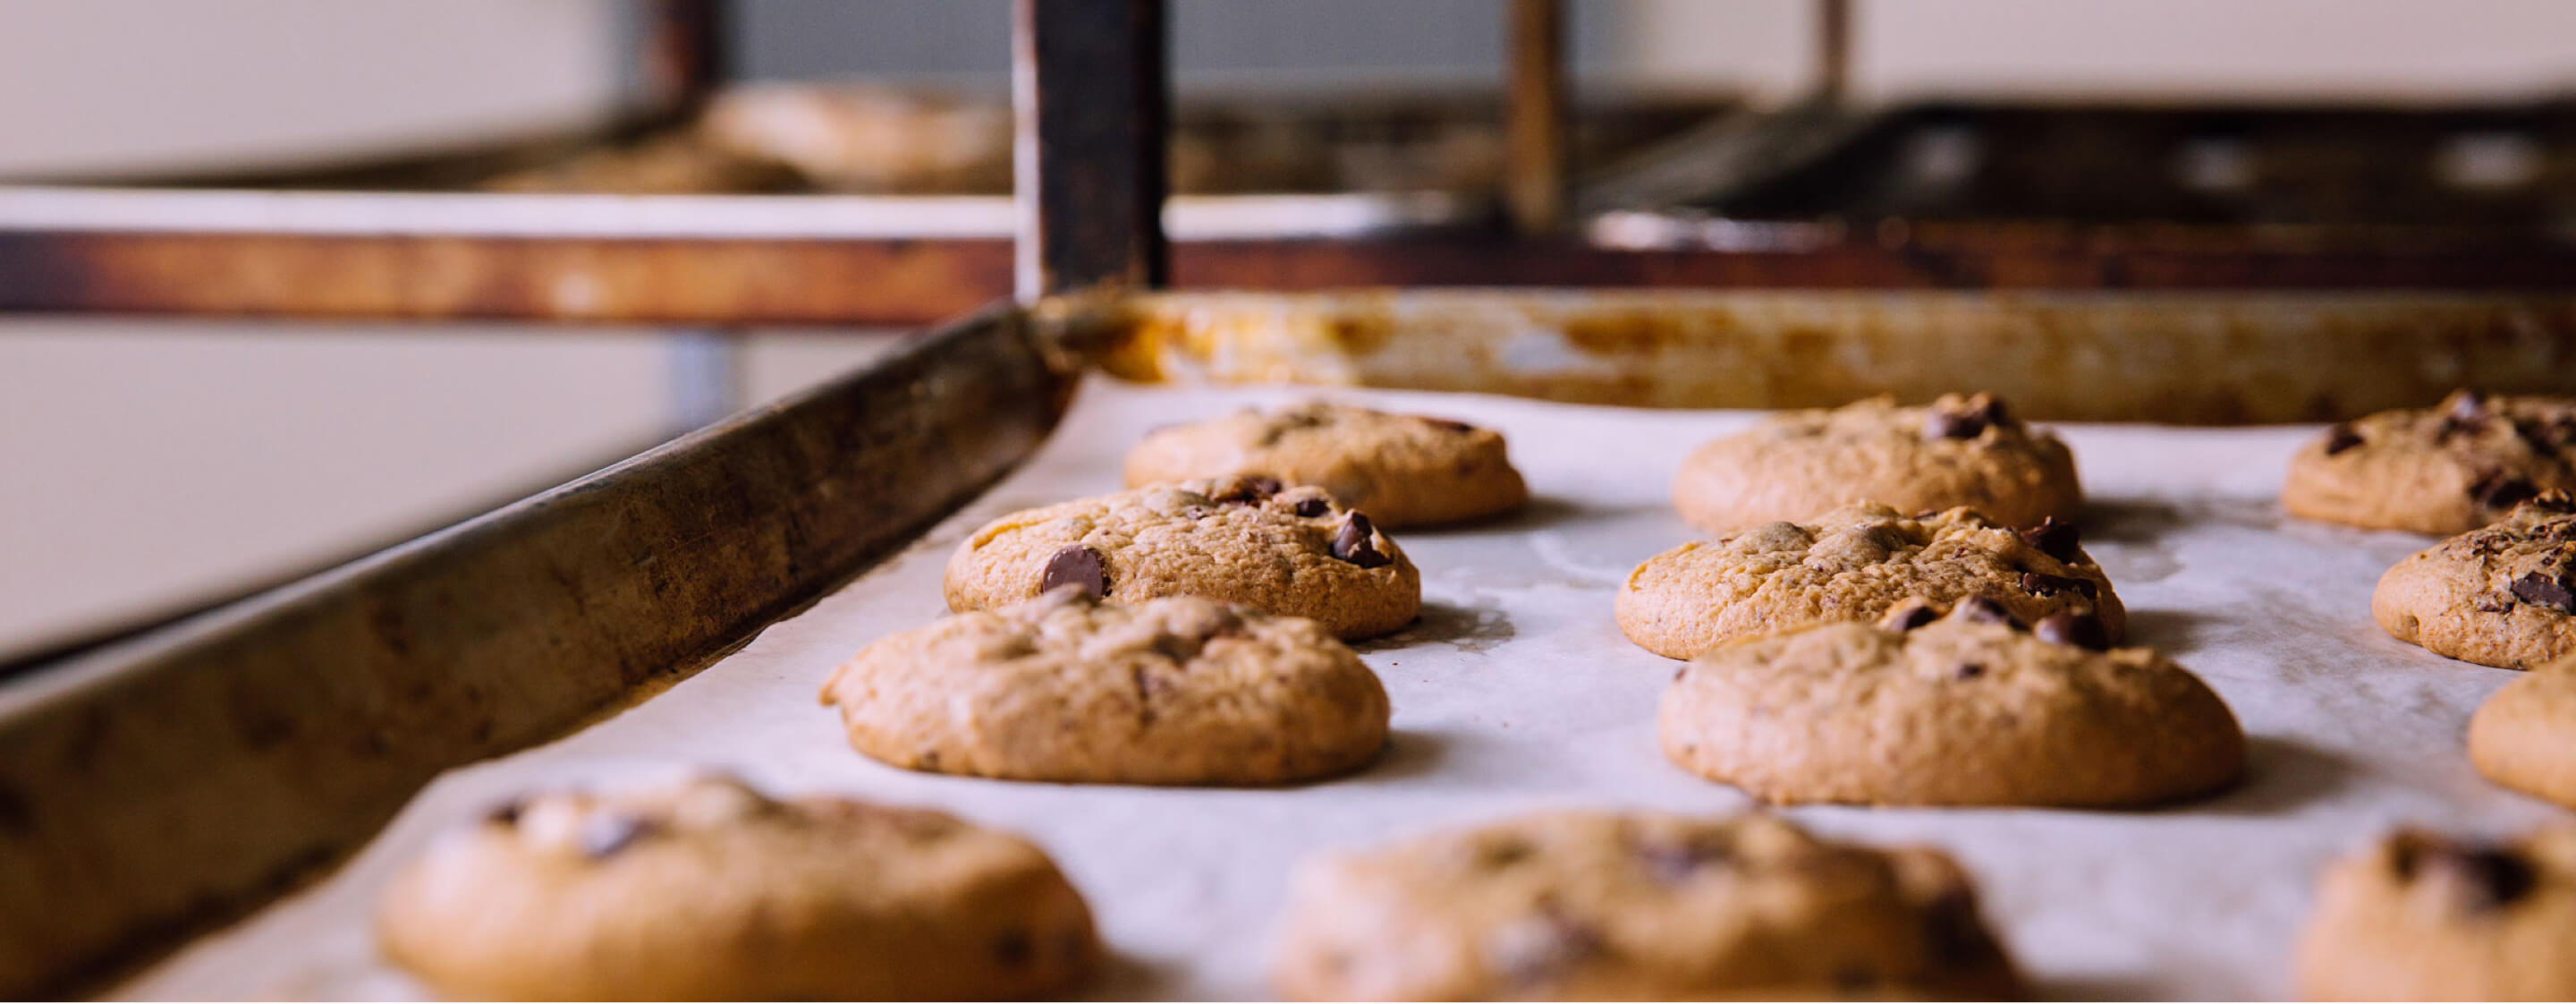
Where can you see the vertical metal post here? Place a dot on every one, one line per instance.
(1833, 50)
(684, 58)
(1091, 93)
(1535, 161)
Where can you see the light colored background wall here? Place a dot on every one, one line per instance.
(145, 463)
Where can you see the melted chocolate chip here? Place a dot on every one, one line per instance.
(2486, 878)
(1248, 490)
(1076, 566)
(2043, 584)
(1504, 853)
(1355, 542)
(2079, 630)
(1449, 425)
(2054, 539)
(1952, 425)
(1909, 615)
(1969, 671)
(1310, 508)
(2341, 437)
(607, 833)
(1013, 949)
(507, 813)
(1953, 931)
(2501, 490)
(2540, 589)
(1985, 611)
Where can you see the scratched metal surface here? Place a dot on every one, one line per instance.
(1516, 692)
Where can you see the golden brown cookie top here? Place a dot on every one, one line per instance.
(1636, 905)
(1854, 563)
(2440, 470)
(1071, 688)
(1960, 450)
(1403, 470)
(1249, 540)
(1971, 708)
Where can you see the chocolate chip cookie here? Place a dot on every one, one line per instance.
(1852, 564)
(1071, 688)
(2502, 595)
(1404, 470)
(2437, 470)
(708, 890)
(2524, 736)
(2418, 916)
(1973, 708)
(1291, 551)
(1961, 450)
(1636, 906)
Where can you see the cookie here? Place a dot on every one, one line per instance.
(2439, 470)
(1071, 688)
(1288, 551)
(707, 890)
(1635, 906)
(2524, 736)
(1961, 450)
(2502, 595)
(1403, 470)
(1852, 564)
(1969, 709)
(2417, 916)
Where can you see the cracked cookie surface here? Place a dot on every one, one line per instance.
(2441, 470)
(708, 890)
(2420, 916)
(1403, 470)
(1070, 688)
(2501, 595)
(1853, 564)
(1635, 906)
(1960, 450)
(1972, 708)
(1291, 551)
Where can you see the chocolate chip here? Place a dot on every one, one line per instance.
(1355, 542)
(1013, 949)
(2540, 589)
(1952, 425)
(1985, 611)
(1911, 614)
(2043, 584)
(610, 832)
(2054, 539)
(1449, 425)
(2079, 630)
(507, 813)
(1952, 929)
(1249, 489)
(1076, 566)
(2341, 437)
(2501, 490)
(1504, 853)
(1310, 508)
(2484, 877)
(1969, 671)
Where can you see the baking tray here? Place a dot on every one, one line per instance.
(1516, 691)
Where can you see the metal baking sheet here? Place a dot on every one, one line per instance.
(1516, 692)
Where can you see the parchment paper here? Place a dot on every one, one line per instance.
(1516, 691)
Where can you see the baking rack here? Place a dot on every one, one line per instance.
(162, 783)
